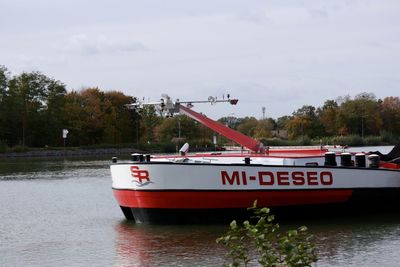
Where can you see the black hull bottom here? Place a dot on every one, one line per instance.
(362, 202)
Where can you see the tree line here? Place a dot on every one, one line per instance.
(35, 108)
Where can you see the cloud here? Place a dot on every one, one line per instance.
(101, 44)
(318, 13)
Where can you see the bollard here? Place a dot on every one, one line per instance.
(135, 157)
(147, 157)
(360, 160)
(141, 158)
(373, 161)
(345, 159)
(330, 159)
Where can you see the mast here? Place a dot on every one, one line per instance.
(168, 108)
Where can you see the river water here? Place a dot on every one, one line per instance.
(62, 213)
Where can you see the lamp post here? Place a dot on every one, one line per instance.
(64, 136)
(362, 127)
(263, 111)
(179, 128)
(363, 115)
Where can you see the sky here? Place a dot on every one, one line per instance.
(280, 55)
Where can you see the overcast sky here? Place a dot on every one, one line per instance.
(277, 54)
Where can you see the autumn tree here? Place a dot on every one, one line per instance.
(390, 113)
(84, 116)
(94, 116)
(118, 122)
(263, 129)
(304, 123)
(328, 116)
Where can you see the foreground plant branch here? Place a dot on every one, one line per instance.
(262, 242)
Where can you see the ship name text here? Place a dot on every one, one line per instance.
(278, 178)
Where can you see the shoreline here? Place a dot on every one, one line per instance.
(95, 152)
(56, 153)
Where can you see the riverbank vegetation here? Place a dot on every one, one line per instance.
(34, 109)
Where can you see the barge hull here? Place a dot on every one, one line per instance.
(360, 202)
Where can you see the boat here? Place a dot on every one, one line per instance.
(220, 186)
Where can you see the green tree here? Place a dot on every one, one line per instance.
(282, 122)
(229, 121)
(149, 122)
(361, 115)
(247, 126)
(179, 126)
(53, 113)
(4, 78)
(31, 100)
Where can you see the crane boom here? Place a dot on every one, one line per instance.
(233, 135)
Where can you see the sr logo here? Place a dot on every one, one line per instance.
(140, 176)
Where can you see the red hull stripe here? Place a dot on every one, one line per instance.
(231, 199)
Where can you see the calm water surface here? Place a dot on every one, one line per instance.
(62, 213)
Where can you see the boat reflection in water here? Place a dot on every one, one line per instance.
(156, 245)
(351, 240)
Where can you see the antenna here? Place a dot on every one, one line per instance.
(168, 108)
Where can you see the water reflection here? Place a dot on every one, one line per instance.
(33, 169)
(144, 245)
(357, 240)
(368, 240)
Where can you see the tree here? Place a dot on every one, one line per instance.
(86, 116)
(30, 97)
(361, 115)
(304, 123)
(282, 122)
(53, 113)
(390, 113)
(328, 116)
(118, 120)
(229, 121)
(149, 122)
(263, 129)
(247, 126)
(4, 78)
(179, 126)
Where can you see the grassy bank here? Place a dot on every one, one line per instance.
(350, 140)
(94, 150)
